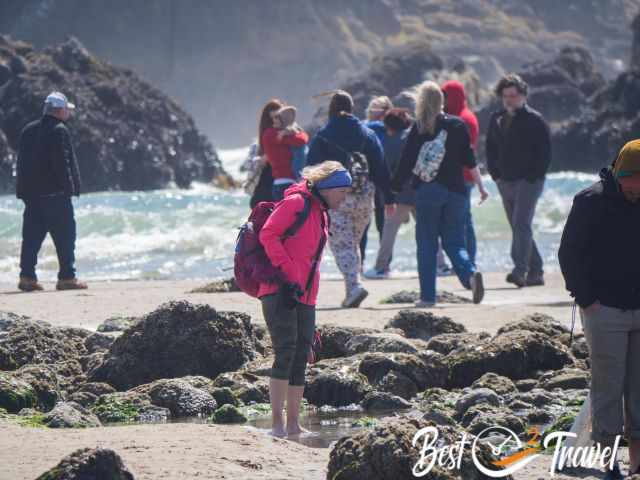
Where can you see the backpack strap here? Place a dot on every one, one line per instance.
(301, 217)
(316, 257)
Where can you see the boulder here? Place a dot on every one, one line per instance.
(383, 401)
(127, 407)
(219, 286)
(245, 387)
(224, 396)
(476, 397)
(567, 378)
(336, 382)
(228, 414)
(89, 463)
(335, 338)
(116, 324)
(127, 134)
(44, 382)
(516, 354)
(98, 342)
(379, 342)
(500, 385)
(483, 416)
(537, 322)
(386, 452)
(176, 340)
(448, 342)
(411, 296)
(423, 325)
(16, 394)
(70, 415)
(180, 397)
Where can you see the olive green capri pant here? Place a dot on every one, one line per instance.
(613, 336)
(291, 332)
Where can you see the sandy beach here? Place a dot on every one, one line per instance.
(194, 451)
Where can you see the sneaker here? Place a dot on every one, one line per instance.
(424, 304)
(355, 298)
(27, 284)
(535, 280)
(71, 284)
(477, 287)
(517, 280)
(373, 274)
(614, 474)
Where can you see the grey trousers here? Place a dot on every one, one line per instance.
(613, 337)
(391, 226)
(520, 199)
(291, 332)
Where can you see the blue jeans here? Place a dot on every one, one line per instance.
(440, 213)
(469, 231)
(53, 215)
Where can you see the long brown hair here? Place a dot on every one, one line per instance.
(265, 117)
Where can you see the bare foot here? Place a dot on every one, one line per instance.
(296, 430)
(278, 432)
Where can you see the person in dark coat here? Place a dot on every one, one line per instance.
(518, 151)
(600, 260)
(47, 178)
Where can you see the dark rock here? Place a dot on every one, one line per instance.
(181, 398)
(70, 415)
(89, 463)
(580, 348)
(379, 342)
(567, 378)
(85, 399)
(383, 401)
(246, 387)
(410, 296)
(516, 354)
(96, 388)
(439, 416)
(404, 374)
(219, 286)
(386, 452)
(336, 382)
(98, 342)
(500, 385)
(536, 397)
(448, 342)
(424, 325)
(228, 414)
(536, 322)
(116, 324)
(128, 135)
(539, 416)
(175, 340)
(335, 338)
(44, 382)
(475, 397)
(224, 396)
(127, 407)
(526, 385)
(490, 416)
(15, 394)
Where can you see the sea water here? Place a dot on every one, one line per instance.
(190, 234)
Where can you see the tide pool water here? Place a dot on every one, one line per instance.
(190, 234)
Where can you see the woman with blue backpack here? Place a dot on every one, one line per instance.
(348, 140)
(293, 237)
(438, 148)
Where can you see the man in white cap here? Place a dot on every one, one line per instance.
(47, 178)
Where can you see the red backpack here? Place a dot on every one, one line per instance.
(251, 264)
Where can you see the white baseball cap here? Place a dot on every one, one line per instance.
(59, 100)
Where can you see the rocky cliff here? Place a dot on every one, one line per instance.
(128, 135)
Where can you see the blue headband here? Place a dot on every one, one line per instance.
(337, 179)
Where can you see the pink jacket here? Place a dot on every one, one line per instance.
(294, 256)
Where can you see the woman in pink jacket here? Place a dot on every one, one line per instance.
(289, 309)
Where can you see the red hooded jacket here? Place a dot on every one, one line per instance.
(278, 151)
(294, 256)
(457, 105)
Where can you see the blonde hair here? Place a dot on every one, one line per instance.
(379, 105)
(429, 102)
(317, 173)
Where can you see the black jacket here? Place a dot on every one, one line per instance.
(46, 161)
(524, 152)
(458, 155)
(600, 249)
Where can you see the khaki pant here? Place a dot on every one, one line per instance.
(613, 337)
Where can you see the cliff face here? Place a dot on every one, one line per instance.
(222, 60)
(128, 135)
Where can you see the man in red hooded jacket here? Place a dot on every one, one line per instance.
(456, 104)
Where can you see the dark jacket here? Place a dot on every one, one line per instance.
(458, 155)
(350, 134)
(46, 161)
(524, 151)
(600, 248)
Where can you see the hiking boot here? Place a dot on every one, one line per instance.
(71, 284)
(535, 280)
(373, 274)
(477, 287)
(517, 280)
(355, 298)
(27, 284)
(424, 304)
(613, 474)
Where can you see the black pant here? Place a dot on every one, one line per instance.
(53, 215)
(291, 332)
